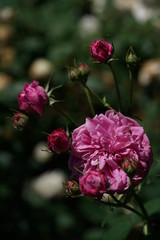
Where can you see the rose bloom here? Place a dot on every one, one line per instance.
(93, 183)
(58, 141)
(33, 98)
(105, 142)
(101, 51)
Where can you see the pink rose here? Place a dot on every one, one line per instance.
(106, 142)
(101, 51)
(93, 183)
(33, 98)
(58, 141)
(119, 181)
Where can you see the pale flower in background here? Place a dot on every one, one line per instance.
(98, 6)
(141, 10)
(41, 69)
(7, 14)
(88, 25)
(149, 72)
(5, 81)
(142, 13)
(49, 184)
(41, 153)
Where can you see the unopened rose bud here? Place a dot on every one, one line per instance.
(85, 71)
(131, 58)
(20, 120)
(71, 188)
(130, 167)
(74, 74)
(58, 141)
(33, 98)
(101, 51)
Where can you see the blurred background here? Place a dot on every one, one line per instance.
(39, 40)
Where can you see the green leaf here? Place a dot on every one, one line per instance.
(118, 227)
(153, 206)
(93, 234)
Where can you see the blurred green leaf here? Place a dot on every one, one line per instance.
(153, 206)
(118, 227)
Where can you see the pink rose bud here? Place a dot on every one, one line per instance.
(33, 98)
(85, 71)
(93, 183)
(130, 167)
(58, 141)
(72, 188)
(101, 51)
(20, 120)
(74, 74)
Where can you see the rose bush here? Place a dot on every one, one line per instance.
(101, 51)
(33, 98)
(105, 142)
(58, 141)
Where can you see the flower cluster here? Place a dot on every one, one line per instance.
(109, 153)
(32, 100)
(104, 143)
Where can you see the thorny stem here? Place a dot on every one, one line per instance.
(131, 88)
(120, 204)
(98, 98)
(89, 100)
(66, 116)
(116, 84)
(138, 200)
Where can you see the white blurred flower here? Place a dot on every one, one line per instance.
(6, 33)
(7, 14)
(41, 69)
(141, 10)
(88, 25)
(150, 71)
(142, 13)
(98, 6)
(48, 184)
(41, 153)
(124, 5)
(5, 80)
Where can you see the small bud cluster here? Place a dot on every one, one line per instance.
(32, 100)
(79, 73)
(72, 188)
(20, 120)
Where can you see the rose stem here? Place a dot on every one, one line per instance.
(138, 200)
(89, 100)
(99, 99)
(131, 88)
(66, 116)
(119, 204)
(116, 84)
